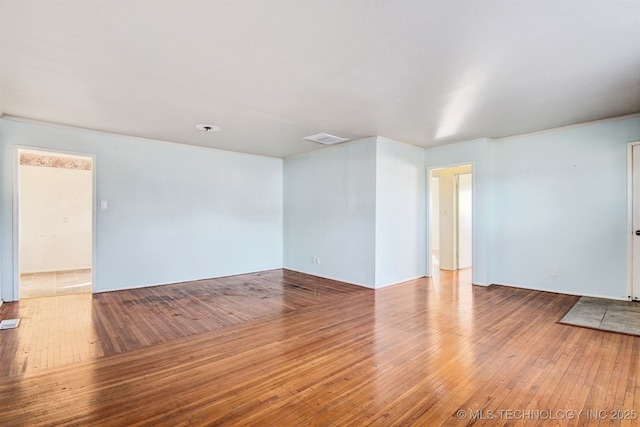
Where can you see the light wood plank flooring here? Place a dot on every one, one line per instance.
(283, 348)
(57, 331)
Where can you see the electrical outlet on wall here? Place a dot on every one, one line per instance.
(554, 271)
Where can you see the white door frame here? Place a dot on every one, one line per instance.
(16, 212)
(430, 170)
(630, 230)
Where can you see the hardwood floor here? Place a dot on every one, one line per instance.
(56, 331)
(283, 348)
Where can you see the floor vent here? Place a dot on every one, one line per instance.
(9, 324)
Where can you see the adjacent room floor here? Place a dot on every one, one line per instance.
(33, 285)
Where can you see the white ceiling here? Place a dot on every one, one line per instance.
(271, 72)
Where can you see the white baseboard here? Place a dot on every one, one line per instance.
(556, 291)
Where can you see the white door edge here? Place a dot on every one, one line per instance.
(630, 230)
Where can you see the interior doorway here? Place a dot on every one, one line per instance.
(450, 218)
(55, 223)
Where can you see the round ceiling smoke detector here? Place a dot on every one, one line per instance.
(207, 128)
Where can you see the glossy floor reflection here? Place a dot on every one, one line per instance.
(285, 348)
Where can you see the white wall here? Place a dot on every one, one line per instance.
(556, 199)
(551, 200)
(446, 215)
(176, 212)
(434, 215)
(465, 220)
(561, 202)
(55, 219)
(360, 208)
(400, 213)
(329, 205)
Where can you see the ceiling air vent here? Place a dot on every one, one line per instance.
(325, 138)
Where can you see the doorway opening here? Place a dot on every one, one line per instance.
(54, 223)
(450, 218)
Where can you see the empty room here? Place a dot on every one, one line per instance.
(319, 212)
